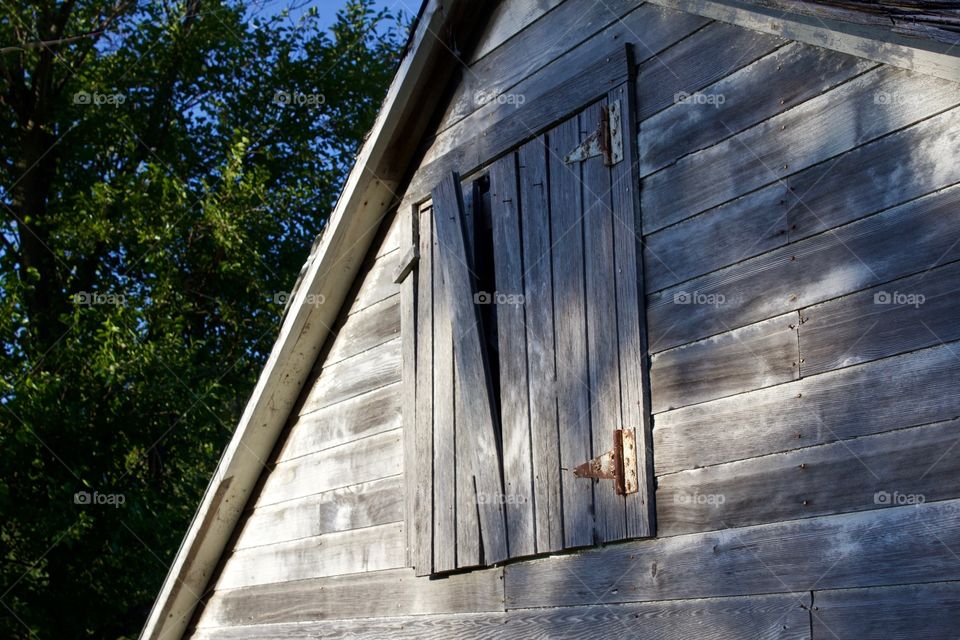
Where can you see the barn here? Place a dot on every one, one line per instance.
(634, 319)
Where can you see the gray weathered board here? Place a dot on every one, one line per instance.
(781, 617)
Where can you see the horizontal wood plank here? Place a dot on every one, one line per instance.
(880, 102)
(848, 403)
(755, 356)
(367, 595)
(778, 81)
(377, 283)
(528, 51)
(371, 327)
(649, 29)
(888, 546)
(873, 472)
(364, 415)
(887, 172)
(876, 176)
(780, 617)
(360, 505)
(494, 133)
(708, 55)
(372, 369)
(358, 551)
(888, 613)
(372, 458)
(507, 20)
(899, 242)
(391, 240)
(900, 316)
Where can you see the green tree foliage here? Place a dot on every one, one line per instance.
(165, 168)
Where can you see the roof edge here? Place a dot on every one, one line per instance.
(334, 263)
(873, 42)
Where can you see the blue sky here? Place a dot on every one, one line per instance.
(328, 8)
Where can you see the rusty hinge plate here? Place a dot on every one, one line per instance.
(606, 141)
(619, 464)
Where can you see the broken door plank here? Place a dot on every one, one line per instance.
(472, 367)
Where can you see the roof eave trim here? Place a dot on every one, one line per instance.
(872, 42)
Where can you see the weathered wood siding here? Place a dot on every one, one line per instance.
(801, 248)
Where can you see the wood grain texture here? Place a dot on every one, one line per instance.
(569, 305)
(866, 473)
(359, 461)
(472, 369)
(880, 101)
(422, 474)
(722, 236)
(408, 223)
(778, 81)
(512, 349)
(874, 43)
(360, 505)
(631, 317)
(603, 358)
(706, 56)
(541, 354)
(392, 238)
(485, 140)
(758, 355)
(780, 617)
(444, 413)
(357, 551)
(366, 329)
(888, 546)
(366, 595)
(876, 176)
(649, 28)
(530, 50)
(901, 241)
(377, 283)
(468, 522)
(361, 416)
(900, 316)
(915, 19)
(506, 20)
(885, 173)
(369, 370)
(888, 613)
(851, 402)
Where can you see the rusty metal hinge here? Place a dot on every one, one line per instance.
(619, 464)
(607, 140)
